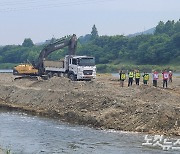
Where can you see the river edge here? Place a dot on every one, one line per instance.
(96, 104)
(5, 107)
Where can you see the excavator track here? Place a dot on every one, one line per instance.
(27, 77)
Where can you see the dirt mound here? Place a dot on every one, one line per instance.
(101, 103)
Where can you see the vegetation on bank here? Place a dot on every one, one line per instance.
(146, 51)
(7, 65)
(5, 151)
(101, 68)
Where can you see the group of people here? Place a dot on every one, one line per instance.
(136, 75)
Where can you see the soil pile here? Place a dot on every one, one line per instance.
(101, 103)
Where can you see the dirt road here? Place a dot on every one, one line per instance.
(101, 103)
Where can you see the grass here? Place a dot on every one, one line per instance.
(110, 68)
(8, 151)
(7, 65)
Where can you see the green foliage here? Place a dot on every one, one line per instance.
(94, 33)
(18, 54)
(176, 40)
(85, 39)
(7, 65)
(28, 43)
(101, 68)
(57, 55)
(8, 151)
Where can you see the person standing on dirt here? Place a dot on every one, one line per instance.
(145, 77)
(155, 77)
(131, 76)
(137, 77)
(122, 77)
(170, 76)
(165, 78)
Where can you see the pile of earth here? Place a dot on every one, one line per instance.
(101, 103)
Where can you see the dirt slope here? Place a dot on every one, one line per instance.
(101, 103)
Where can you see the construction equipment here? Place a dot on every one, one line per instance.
(74, 67)
(25, 69)
(37, 69)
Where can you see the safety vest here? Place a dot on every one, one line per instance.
(123, 76)
(137, 75)
(131, 74)
(146, 77)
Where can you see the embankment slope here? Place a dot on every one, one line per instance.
(101, 103)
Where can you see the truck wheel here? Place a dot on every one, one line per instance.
(55, 74)
(59, 74)
(49, 75)
(45, 77)
(72, 77)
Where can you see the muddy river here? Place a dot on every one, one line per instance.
(26, 134)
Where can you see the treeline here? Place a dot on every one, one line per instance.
(160, 48)
(19, 53)
(27, 52)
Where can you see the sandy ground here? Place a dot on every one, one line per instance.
(101, 103)
(2, 151)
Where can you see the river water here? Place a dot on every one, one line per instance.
(22, 133)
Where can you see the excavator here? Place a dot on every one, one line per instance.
(37, 69)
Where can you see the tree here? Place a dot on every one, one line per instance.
(94, 32)
(176, 40)
(28, 43)
(84, 39)
(169, 27)
(160, 28)
(177, 27)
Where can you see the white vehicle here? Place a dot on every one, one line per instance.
(73, 66)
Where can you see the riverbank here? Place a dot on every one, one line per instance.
(1, 151)
(143, 68)
(101, 103)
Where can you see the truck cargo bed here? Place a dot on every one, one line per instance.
(54, 64)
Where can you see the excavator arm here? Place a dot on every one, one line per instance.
(37, 68)
(71, 42)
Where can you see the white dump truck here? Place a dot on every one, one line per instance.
(74, 67)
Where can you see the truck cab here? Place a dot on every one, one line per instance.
(81, 67)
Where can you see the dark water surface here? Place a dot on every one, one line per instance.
(27, 134)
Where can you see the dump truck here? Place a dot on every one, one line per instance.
(73, 66)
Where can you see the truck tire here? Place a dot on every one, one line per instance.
(50, 74)
(72, 77)
(45, 77)
(55, 74)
